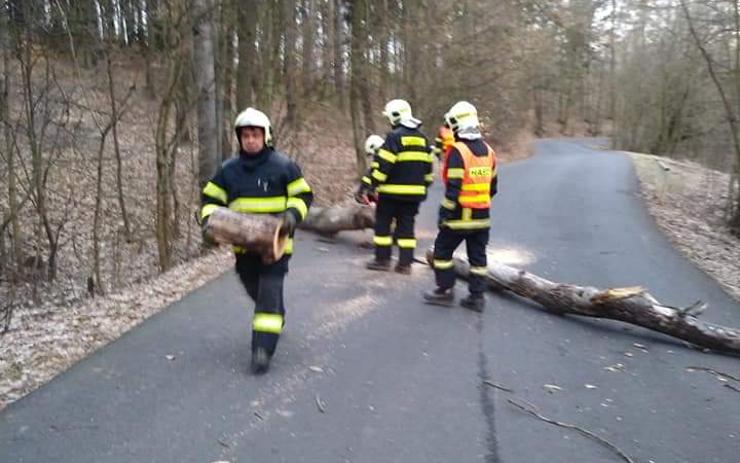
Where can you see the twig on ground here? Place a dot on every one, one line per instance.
(734, 388)
(320, 404)
(497, 386)
(716, 372)
(583, 431)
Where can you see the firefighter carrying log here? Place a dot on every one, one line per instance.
(260, 180)
(401, 178)
(469, 176)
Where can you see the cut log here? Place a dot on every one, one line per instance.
(331, 220)
(259, 233)
(632, 305)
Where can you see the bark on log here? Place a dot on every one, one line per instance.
(332, 220)
(632, 305)
(260, 233)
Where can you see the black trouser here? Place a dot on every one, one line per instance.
(264, 284)
(444, 246)
(404, 212)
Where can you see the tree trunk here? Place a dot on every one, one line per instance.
(15, 237)
(291, 94)
(117, 147)
(357, 76)
(338, 60)
(331, 220)
(203, 62)
(632, 305)
(247, 69)
(308, 21)
(98, 206)
(227, 73)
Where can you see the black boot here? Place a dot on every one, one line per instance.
(381, 265)
(440, 296)
(403, 269)
(473, 301)
(260, 361)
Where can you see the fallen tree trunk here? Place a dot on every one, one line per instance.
(260, 233)
(329, 221)
(632, 305)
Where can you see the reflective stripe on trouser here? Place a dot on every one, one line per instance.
(444, 246)
(404, 213)
(264, 285)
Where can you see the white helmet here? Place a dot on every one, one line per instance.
(399, 112)
(251, 117)
(373, 143)
(463, 118)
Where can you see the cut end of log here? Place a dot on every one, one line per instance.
(617, 294)
(279, 243)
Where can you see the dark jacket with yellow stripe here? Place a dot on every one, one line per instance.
(265, 183)
(452, 215)
(402, 169)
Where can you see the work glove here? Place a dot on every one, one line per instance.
(204, 230)
(289, 223)
(362, 194)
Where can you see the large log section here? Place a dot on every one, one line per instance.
(632, 305)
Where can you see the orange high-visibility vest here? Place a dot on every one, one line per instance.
(448, 139)
(476, 184)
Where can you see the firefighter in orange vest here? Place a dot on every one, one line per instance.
(469, 176)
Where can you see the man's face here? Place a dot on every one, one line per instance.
(253, 139)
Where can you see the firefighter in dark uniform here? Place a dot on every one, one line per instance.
(260, 180)
(401, 178)
(470, 179)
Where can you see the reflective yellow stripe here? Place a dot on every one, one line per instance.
(402, 189)
(208, 210)
(448, 204)
(382, 240)
(267, 322)
(366, 180)
(467, 213)
(443, 264)
(238, 249)
(484, 198)
(299, 204)
(455, 173)
(387, 155)
(406, 243)
(423, 156)
(468, 224)
(380, 176)
(485, 187)
(429, 178)
(413, 141)
(297, 187)
(374, 165)
(216, 192)
(479, 271)
(269, 204)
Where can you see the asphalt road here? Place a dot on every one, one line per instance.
(400, 381)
